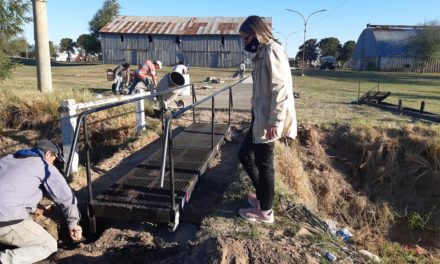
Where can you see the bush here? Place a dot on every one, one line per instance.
(6, 66)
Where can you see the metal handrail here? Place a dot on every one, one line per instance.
(168, 138)
(82, 119)
(85, 113)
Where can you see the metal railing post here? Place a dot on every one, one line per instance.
(230, 106)
(171, 165)
(90, 213)
(165, 149)
(212, 122)
(194, 99)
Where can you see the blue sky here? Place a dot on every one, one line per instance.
(344, 19)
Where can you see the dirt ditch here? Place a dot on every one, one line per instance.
(379, 182)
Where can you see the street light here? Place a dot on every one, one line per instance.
(286, 37)
(305, 29)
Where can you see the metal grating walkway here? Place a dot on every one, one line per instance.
(138, 195)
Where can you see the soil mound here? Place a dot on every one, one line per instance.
(372, 180)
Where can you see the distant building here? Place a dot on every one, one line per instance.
(197, 41)
(63, 55)
(385, 48)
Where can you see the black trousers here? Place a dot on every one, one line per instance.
(257, 160)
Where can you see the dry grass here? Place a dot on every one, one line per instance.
(371, 178)
(290, 171)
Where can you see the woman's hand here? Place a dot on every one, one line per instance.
(271, 132)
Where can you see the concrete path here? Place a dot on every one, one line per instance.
(241, 93)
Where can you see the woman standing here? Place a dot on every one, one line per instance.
(273, 115)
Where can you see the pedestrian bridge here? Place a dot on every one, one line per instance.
(157, 189)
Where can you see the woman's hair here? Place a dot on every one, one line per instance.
(255, 24)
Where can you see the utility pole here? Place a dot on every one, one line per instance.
(305, 29)
(286, 37)
(41, 37)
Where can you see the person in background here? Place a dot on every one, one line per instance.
(146, 73)
(122, 78)
(24, 177)
(273, 116)
(241, 69)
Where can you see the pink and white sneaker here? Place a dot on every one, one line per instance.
(253, 201)
(256, 215)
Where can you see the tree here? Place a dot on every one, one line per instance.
(329, 46)
(109, 10)
(67, 44)
(425, 46)
(6, 66)
(347, 51)
(16, 46)
(89, 43)
(311, 51)
(52, 49)
(12, 18)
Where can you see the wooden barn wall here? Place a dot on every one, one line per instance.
(393, 64)
(198, 51)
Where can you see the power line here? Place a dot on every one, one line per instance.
(332, 11)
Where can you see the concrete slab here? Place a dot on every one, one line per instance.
(242, 94)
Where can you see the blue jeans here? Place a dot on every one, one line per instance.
(135, 81)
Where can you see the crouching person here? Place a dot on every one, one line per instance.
(24, 176)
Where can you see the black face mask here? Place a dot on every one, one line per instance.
(252, 46)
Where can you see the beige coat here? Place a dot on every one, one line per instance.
(272, 100)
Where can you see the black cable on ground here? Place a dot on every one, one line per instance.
(299, 214)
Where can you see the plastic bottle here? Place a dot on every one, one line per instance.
(328, 255)
(344, 234)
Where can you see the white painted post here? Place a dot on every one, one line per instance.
(140, 113)
(68, 125)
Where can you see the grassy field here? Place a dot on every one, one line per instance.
(88, 78)
(326, 95)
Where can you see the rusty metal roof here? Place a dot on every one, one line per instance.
(167, 25)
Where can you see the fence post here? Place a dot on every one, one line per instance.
(399, 105)
(422, 107)
(68, 124)
(140, 114)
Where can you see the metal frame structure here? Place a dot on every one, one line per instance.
(172, 215)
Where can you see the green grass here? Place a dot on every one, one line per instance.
(326, 96)
(76, 79)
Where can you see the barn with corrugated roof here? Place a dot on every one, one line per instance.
(197, 41)
(386, 48)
